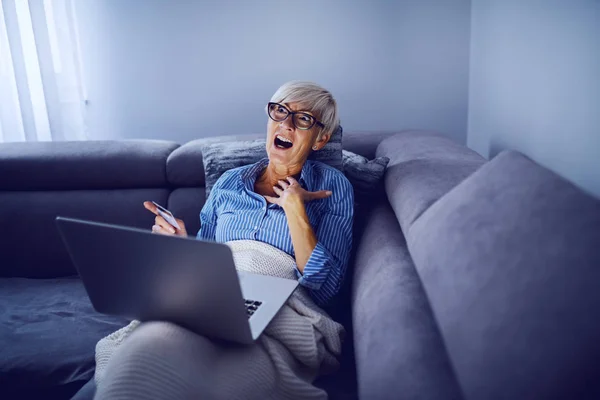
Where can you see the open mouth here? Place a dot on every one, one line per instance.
(282, 142)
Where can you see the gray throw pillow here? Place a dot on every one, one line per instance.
(219, 157)
(366, 176)
(331, 153)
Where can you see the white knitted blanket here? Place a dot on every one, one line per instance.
(310, 336)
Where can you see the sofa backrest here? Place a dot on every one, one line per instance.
(105, 181)
(98, 180)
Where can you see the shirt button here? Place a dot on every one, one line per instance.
(255, 227)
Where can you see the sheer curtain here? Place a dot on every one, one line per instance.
(42, 96)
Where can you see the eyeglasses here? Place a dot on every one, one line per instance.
(301, 120)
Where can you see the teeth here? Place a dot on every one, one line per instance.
(283, 139)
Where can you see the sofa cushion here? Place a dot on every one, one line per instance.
(399, 350)
(186, 203)
(510, 261)
(185, 166)
(48, 331)
(34, 248)
(84, 165)
(423, 167)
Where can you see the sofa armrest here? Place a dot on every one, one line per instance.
(423, 167)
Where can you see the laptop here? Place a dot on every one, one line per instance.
(139, 275)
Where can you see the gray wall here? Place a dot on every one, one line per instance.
(185, 69)
(535, 83)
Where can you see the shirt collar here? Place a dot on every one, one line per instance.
(251, 174)
(307, 176)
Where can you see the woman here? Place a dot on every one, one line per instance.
(302, 207)
(311, 201)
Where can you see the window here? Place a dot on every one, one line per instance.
(42, 96)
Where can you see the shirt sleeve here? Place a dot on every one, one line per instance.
(208, 214)
(325, 269)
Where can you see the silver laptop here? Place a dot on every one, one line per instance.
(140, 275)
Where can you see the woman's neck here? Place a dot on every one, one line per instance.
(274, 173)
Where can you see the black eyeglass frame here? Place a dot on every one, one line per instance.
(292, 113)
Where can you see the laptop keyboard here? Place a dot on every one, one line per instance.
(252, 306)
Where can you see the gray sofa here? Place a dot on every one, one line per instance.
(469, 279)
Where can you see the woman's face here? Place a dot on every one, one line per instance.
(288, 145)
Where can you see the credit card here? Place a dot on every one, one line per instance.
(167, 215)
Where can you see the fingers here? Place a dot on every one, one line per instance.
(182, 231)
(160, 221)
(291, 180)
(159, 229)
(321, 194)
(164, 228)
(272, 200)
(150, 207)
(283, 184)
(277, 190)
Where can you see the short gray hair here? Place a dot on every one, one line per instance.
(318, 100)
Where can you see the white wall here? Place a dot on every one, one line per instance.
(182, 69)
(535, 83)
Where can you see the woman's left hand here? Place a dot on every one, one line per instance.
(291, 193)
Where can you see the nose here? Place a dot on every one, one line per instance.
(287, 124)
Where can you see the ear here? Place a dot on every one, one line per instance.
(321, 141)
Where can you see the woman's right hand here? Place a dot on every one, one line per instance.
(161, 226)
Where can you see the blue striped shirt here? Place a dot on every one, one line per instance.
(234, 211)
